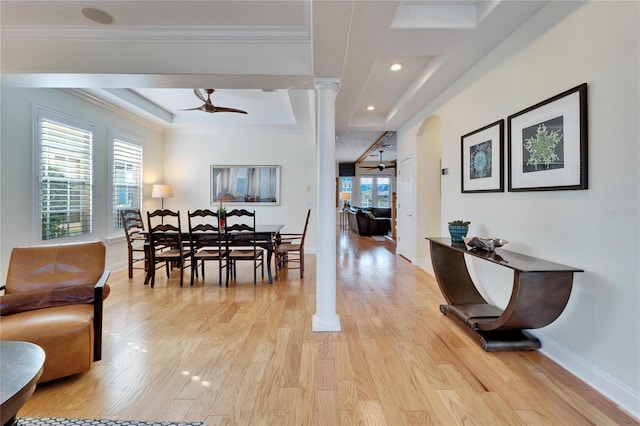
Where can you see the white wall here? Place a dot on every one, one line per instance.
(190, 153)
(597, 229)
(17, 172)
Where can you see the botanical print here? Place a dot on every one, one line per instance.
(480, 164)
(543, 147)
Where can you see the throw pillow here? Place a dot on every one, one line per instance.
(369, 214)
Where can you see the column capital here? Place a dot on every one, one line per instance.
(327, 84)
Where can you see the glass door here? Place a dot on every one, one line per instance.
(375, 191)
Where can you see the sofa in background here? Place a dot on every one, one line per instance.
(53, 298)
(369, 220)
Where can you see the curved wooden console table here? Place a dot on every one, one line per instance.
(540, 293)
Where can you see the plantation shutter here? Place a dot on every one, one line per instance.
(66, 179)
(127, 178)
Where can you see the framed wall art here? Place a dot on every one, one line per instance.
(245, 184)
(482, 159)
(548, 144)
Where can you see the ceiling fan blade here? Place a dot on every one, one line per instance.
(208, 106)
(224, 109)
(199, 95)
(201, 108)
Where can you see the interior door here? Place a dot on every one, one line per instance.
(405, 210)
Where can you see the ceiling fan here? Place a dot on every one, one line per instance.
(208, 106)
(380, 166)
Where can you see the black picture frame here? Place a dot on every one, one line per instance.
(482, 159)
(548, 144)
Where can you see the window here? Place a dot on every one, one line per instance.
(375, 190)
(126, 170)
(65, 162)
(346, 184)
(346, 187)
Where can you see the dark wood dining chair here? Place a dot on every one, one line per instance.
(207, 243)
(290, 250)
(243, 222)
(134, 231)
(165, 242)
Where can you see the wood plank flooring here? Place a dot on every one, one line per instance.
(247, 356)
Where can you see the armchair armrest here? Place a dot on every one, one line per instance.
(99, 296)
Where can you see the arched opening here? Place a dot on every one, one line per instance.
(428, 195)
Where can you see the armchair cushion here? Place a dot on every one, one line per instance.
(66, 334)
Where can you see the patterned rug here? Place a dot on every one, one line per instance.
(44, 421)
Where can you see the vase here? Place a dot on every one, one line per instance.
(458, 232)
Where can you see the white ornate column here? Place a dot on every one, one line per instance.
(326, 318)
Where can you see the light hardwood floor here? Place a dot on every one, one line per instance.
(247, 356)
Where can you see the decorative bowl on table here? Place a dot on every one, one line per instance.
(484, 243)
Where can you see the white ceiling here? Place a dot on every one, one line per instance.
(150, 59)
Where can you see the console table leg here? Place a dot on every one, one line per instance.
(497, 340)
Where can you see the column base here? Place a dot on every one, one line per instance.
(325, 324)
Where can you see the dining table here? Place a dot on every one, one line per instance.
(265, 238)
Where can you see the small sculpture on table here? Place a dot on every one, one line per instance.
(484, 243)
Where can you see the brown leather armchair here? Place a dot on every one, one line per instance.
(53, 298)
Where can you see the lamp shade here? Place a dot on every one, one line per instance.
(344, 196)
(162, 191)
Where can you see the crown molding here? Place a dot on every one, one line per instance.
(87, 96)
(196, 34)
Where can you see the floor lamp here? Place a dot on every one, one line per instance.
(345, 196)
(162, 191)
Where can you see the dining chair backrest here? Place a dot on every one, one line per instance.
(132, 224)
(306, 225)
(165, 229)
(134, 232)
(204, 228)
(241, 221)
(240, 224)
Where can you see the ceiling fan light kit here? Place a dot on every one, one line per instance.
(381, 166)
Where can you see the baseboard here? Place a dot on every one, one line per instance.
(116, 266)
(425, 265)
(619, 393)
(319, 324)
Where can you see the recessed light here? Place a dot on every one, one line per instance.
(395, 67)
(370, 108)
(97, 15)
